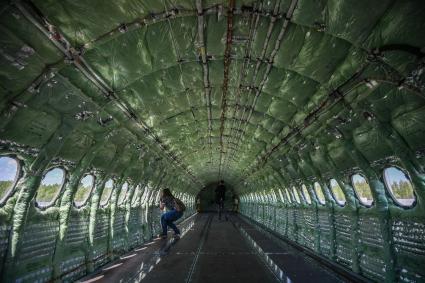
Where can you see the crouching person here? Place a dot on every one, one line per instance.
(174, 209)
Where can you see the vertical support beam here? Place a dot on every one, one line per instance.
(203, 54)
(138, 205)
(114, 204)
(127, 210)
(156, 181)
(112, 212)
(352, 205)
(314, 201)
(151, 199)
(301, 175)
(66, 203)
(382, 207)
(315, 204)
(27, 187)
(148, 231)
(330, 202)
(225, 88)
(94, 206)
(289, 200)
(282, 204)
(294, 161)
(299, 206)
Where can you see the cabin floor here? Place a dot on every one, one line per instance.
(213, 250)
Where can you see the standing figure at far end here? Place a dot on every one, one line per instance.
(220, 194)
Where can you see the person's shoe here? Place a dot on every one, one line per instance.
(176, 236)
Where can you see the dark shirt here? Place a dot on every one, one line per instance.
(220, 192)
(168, 202)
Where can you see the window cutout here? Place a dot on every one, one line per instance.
(123, 193)
(158, 196)
(297, 197)
(399, 185)
(84, 190)
(337, 192)
(136, 195)
(145, 196)
(282, 198)
(288, 196)
(9, 171)
(362, 189)
(50, 186)
(319, 193)
(107, 191)
(306, 194)
(273, 197)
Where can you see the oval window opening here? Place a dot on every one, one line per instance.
(399, 185)
(9, 169)
(306, 194)
(282, 198)
(288, 196)
(337, 192)
(123, 193)
(50, 186)
(107, 191)
(319, 193)
(145, 196)
(84, 189)
(136, 195)
(297, 197)
(362, 189)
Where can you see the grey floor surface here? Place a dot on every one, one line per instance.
(212, 250)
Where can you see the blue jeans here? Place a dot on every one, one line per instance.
(168, 218)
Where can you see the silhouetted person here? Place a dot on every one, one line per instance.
(198, 204)
(220, 196)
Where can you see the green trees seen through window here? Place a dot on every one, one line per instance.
(8, 172)
(399, 186)
(84, 189)
(306, 194)
(319, 192)
(337, 192)
(107, 190)
(362, 189)
(123, 193)
(50, 186)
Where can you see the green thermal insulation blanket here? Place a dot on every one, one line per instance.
(273, 97)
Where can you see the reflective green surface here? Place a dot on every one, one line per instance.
(267, 95)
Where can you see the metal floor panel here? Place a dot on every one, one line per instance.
(297, 266)
(222, 255)
(213, 251)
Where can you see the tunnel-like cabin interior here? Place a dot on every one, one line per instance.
(312, 113)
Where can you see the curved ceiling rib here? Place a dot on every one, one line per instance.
(224, 89)
(269, 63)
(79, 62)
(205, 70)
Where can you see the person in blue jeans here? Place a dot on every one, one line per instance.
(167, 203)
